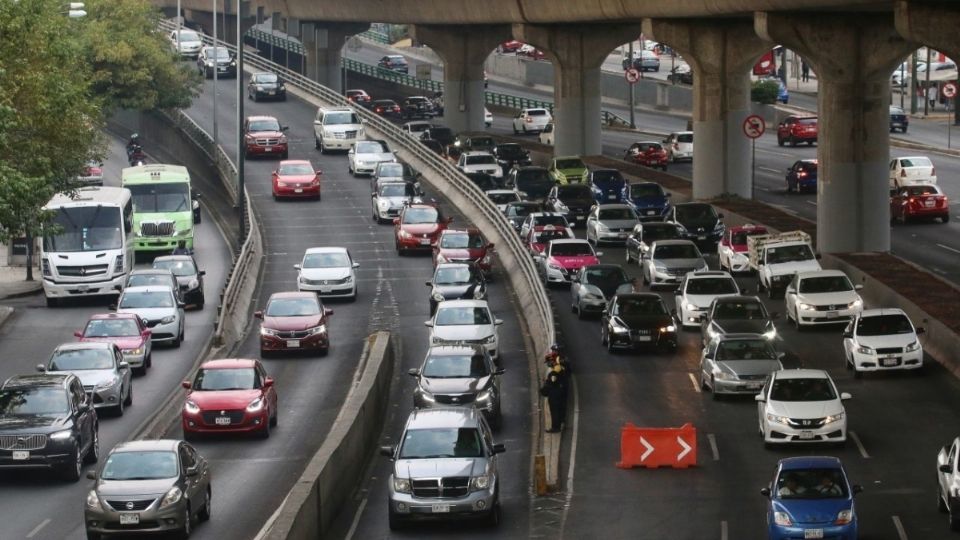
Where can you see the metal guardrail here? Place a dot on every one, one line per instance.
(373, 35)
(378, 72)
(275, 40)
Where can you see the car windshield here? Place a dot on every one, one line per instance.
(608, 180)
(482, 142)
(695, 213)
(140, 466)
(393, 190)
(80, 359)
(484, 159)
(521, 210)
(535, 183)
(112, 327)
(385, 103)
(461, 241)
(146, 299)
(326, 260)
(179, 267)
(645, 147)
(574, 192)
(812, 484)
(416, 99)
(161, 198)
(545, 236)
(455, 367)
(396, 60)
(85, 228)
(441, 443)
(390, 170)
(413, 216)
(226, 379)
(293, 307)
(370, 147)
(463, 316)
(441, 133)
(571, 249)
(640, 306)
(896, 110)
(643, 191)
(144, 280)
(785, 254)
(188, 35)
(664, 231)
(339, 118)
(605, 277)
(745, 349)
(536, 112)
(509, 151)
(740, 238)
(743, 311)
(415, 127)
(43, 400)
(825, 284)
(503, 198)
(266, 78)
(802, 389)
(807, 121)
(617, 214)
(884, 325)
(453, 275)
(570, 164)
(267, 124)
(917, 191)
(296, 169)
(676, 251)
(550, 219)
(218, 52)
(718, 285)
(915, 162)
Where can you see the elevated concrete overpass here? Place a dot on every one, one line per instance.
(852, 45)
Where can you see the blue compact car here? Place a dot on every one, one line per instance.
(802, 176)
(810, 497)
(607, 185)
(648, 200)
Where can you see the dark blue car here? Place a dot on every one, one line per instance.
(607, 185)
(648, 200)
(802, 176)
(810, 497)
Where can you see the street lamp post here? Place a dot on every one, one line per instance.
(179, 52)
(216, 55)
(240, 141)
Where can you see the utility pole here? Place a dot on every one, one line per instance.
(926, 101)
(241, 148)
(216, 56)
(633, 119)
(913, 83)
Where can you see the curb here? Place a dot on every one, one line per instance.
(24, 293)
(5, 313)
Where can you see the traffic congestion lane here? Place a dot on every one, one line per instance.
(900, 421)
(38, 503)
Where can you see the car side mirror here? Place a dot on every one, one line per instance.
(847, 334)
(845, 396)
(327, 311)
(774, 315)
(921, 330)
(719, 216)
(187, 384)
(497, 322)
(428, 283)
(703, 317)
(112, 307)
(858, 287)
(450, 219)
(146, 334)
(267, 382)
(285, 128)
(857, 488)
(765, 491)
(41, 368)
(181, 304)
(258, 315)
(193, 471)
(396, 221)
(499, 448)
(296, 266)
(599, 254)
(124, 365)
(499, 371)
(355, 265)
(428, 323)
(818, 256)
(945, 468)
(490, 245)
(668, 195)
(413, 372)
(386, 451)
(202, 273)
(759, 398)
(77, 333)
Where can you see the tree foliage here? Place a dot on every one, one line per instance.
(765, 92)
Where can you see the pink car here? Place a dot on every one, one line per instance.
(732, 248)
(127, 331)
(562, 258)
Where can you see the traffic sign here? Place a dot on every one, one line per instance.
(632, 75)
(754, 126)
(658, 447)
(949, 90)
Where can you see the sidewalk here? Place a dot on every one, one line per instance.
(13, 283)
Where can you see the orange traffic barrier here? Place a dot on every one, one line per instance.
(658, 447)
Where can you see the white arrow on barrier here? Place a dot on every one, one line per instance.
(686, 447)
(649, 448)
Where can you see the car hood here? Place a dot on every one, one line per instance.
(421, 228)
(266, 134)
(586, 202)
(573, 172)
(125, 343)
(738, 248)
(703, 301)
(267, 85)
(340, 128)
(462, 254)
(433, 468)
(454, 292)
(638, 321)
(794, 267)
(454, 386)
(90, 377)
(804, 409)
(894, 340)
(537, 247)
(619, 223)
(742, 326)
(812, 511)
(700, 226)
(223, 399)
(819, 299)
(395, 202)
(33, 423)
(128, 488)
(697, 262)
(575, 262)
(487, 168)
(649, 202)
(750, 367)
(463, 332)
(151, 314)
(221, 60)
(607, 288)
(325, 273)
(376, 156)
(292, 323)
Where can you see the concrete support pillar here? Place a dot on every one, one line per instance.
(853, 56)
(721, 52)
(933, 24)
(464, 51)
(577, 52)
(226, 21)
(323, 47)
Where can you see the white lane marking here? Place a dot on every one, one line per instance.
(713, 446)
(573, 454)
(356, 519)
(723, 530)
(948, 248)
(765, 151)
(860, 447)
(696, 384)
(769, 169)
(811, 202)
(901, 533)
(36, 529)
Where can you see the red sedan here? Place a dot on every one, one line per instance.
(229, 396)
(263, 136)
(650, 154)
(797, 129)
(296, 179)
(926, 201)
(464, 246)
(418, 227)
(294, 321)
(360, 97)
(127, 331)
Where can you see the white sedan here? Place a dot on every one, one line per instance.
(697, 291)
(911, 171)
(364, 157)
(801, 406)
(881, 340)
(821, 297)
(465, 322)
(327, 271)
(948, 483)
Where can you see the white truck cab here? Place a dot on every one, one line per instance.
(778, 257)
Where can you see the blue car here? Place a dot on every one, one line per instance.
(607, 186)
(810, 497)
(648, 200)
(802, 176)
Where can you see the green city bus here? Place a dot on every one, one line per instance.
(163, 206)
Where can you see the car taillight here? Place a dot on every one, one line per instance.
(396, 108)
(379, 109)
(933, 171)
(911, 200)
(801, 174)
(903, 173)
(529, 119)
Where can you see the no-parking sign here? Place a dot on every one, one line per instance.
(632, 75)
(754, 126)
(949, 90)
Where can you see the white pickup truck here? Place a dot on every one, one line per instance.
(948, 483)
(777, 257)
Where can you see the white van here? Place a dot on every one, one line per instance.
(336, 128)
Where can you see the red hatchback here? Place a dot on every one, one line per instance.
(360, 97)
(127, 331)
(647, 153)
(229, 396)
(263, 136)
(294, 321)
(926, 201)
(296, 179)
(797, 129)
(418, 227)
(464, 246)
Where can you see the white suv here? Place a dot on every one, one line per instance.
(801, 406)
(336, 129)
(531, 121)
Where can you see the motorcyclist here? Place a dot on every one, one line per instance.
(133, 144)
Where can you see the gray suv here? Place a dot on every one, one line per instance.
(458, 376)
(444, 467)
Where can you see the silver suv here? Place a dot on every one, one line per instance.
(444, 467)
(459, 376)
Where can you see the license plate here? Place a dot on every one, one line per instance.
(268, 149)
(325, 289)
(440, 508)
(928, 204)
(701, 238)
(293, 343)
(612, 197)
(581, 218)
(21, 455)
(270, 93)
(424, 241)
(813, 533)
(83, 288)
(129, 519)
(222, 420)
(298, 190)
(622, 235)
(642, 338)
(806, 435)
(651, 212)
(832, 315)
(888, 362)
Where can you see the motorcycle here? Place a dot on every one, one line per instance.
(136, 156)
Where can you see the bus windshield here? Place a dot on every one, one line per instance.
(85, 228)
(156, 198)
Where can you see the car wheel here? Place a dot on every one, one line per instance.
(275, 419)
(179, 339)
(53, 302)
(713, 389)
(580, 314)
(626, 255)
(395, 521)
(93, 454)
(148, 362)
(205, 511)
(316, 143)
(941, 505)
(93, 535)
(515, 132)
(118, 408)
(793, 141)
(493, 518)
(796, 321)
(71, 470)
(857, 374)
(322, 147)
(953, 516)
(255, 98)
(945, 219)
(129, 401)
(779, 141)
(847, 361)
(286, 154)
(187, 528)
(644, 278)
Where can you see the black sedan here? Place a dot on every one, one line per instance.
(189, 277)
(266, 85)
(517, 212)
(417, 107)
(386, 108)
(898, 119)
(511, 154)
(456, 281)
(635, 320)
(737, 315)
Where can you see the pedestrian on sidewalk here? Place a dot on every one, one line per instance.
(556, 393)
(932, 96)
(804, 70)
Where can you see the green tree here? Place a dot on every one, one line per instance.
(765, 92)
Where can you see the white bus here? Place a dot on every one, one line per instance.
(87, 249)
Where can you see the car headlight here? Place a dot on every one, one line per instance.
(436, 340)
(844, 517)
(93, 502)
(691, 307)
(592, 296)
(805, 307)
(777, 419)
(770, 334)
(833, 418)
(108, 383)
(553, 266)
(915, 346)
(256, 405)
(317, 330)
(401, 485)
(61, 435)
(168, 319)
(479, 483)
(405, 234)
(383, 205)
(667, 329)
(45, 264)
(863, 349)
(659, 267)
(261, 88)
(437, 296)
(172, 497)
(133, 352)
(485, 395)
(191, 407)
(182, 232)
(856, 304)
(602, 226)
(209, 63)
(193, 284)
(267, 331)
(492, 338)
(723, 376)
(782, 519)
(233, 62)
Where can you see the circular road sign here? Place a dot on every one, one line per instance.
(949, 90)
(754, 126)
(632, 75)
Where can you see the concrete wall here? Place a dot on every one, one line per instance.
(335, 470)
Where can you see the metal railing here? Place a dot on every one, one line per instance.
(275, 40)
(377, 37)
(378, 72)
